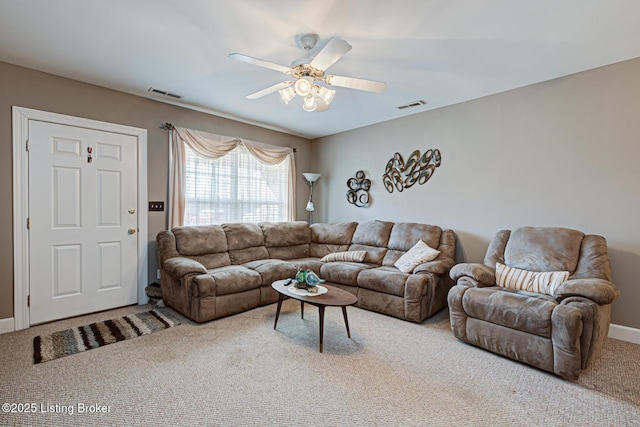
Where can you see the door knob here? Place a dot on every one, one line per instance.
(132, 211)
(132, 230)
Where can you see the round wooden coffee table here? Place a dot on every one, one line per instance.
(335, 297)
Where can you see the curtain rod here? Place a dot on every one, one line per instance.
(168, 126)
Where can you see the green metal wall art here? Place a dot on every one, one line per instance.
(358, 193)
(417, 169)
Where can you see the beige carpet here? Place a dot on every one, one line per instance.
(238, 371)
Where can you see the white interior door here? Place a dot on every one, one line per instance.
(83, 227)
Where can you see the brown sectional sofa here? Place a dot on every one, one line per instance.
(218, 270)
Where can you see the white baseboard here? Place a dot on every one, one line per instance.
(7, 325)
(624, 333)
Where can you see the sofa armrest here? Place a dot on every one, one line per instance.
(598, 290)
(438, 267)
(480, 273)
(181, 266)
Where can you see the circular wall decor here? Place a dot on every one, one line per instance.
(358, 193)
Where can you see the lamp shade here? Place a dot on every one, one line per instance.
(310, 207)
(326, 94)
(311, 177)
(321, 105)
(309, 103)
(287, 94)
(303, 85)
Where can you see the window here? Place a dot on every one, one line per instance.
(215, 179)
(234, 188)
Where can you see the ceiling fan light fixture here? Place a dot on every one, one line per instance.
(321, 104)
(305, 72)
(303, 85)
(309, 103)
(326, 94)
(287, 94)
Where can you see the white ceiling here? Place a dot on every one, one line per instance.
(439, 51)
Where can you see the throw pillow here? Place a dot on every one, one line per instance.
(419, 253)
(542, 282)
(350, 256)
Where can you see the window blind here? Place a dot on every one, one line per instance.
(234, 188)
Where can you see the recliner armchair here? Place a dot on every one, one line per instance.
(559, 332)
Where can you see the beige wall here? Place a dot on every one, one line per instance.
(561, 153)
(32, 89)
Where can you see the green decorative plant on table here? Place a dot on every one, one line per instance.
(307, 279)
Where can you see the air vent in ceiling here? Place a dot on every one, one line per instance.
(165, 93)
(412, 104)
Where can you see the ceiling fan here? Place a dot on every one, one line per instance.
(307, 72)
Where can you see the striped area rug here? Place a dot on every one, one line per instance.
(83, 338)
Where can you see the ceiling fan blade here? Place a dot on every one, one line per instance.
(270, 89)
(330, 53)
(353, 83)
(259, 62)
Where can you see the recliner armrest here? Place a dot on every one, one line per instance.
(480, 273)
(437, 266)
(598, 290)
(181, 266)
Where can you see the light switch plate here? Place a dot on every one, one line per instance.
(156, 206)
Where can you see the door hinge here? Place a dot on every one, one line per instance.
(28, 300)
(28, 145)
(28, 223)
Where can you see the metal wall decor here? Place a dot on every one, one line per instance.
(358, 193)
(417, 169)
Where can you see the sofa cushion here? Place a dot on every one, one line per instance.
(242, 256)
(418, 254)
(391, 257)
(388, 280)
(594, 259)
(372, 237)
(286, 240)
(404, 235)
(234, 278)
(243, 235)
(245, 241)
(318, 250)
(351, 256)
(288, 252)
(339, 233)
(523, 311)
(543, 249)
(447, 245)
(344, 273)
(200, 240)
(271, 270)
(374, 254)
(543, 282)
(328, 238)
(373, 233)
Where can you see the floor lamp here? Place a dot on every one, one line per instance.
(311, 177)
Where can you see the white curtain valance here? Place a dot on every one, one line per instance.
(214, 146)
